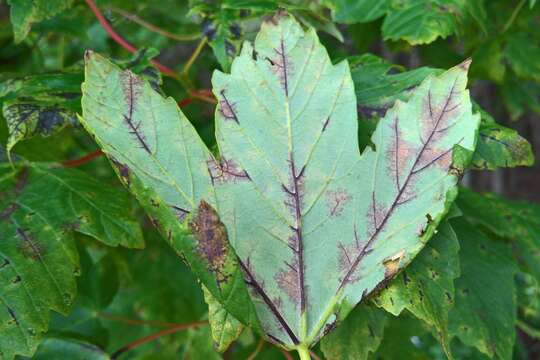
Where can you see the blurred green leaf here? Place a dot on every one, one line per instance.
(485, 306)
(357, 336)
(426, 287)
(517, 221)
(225, 327)
(357, 11)
(72, 349)
(26, 12)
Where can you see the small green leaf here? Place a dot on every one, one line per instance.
(426, 287)
(24, 13)
(357, 336)
(499, 146)
(225, 327)
(485, 307)
(421, 21)
(27, 119)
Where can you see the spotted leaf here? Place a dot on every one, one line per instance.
(315, 224)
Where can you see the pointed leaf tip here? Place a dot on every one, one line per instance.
(465, 64)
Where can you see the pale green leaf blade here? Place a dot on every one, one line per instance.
(426, 287)
(357, 336)
(485, 310)
(224, 326)
(267, 140)
(159, 156)
(290, 151)
(408, 179)
(26, 12)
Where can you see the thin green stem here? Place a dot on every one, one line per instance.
(513, 16)
(303, 352)
(529, 330)
(151, 27)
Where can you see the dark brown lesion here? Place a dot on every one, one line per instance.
(336, 200)
(227, 109)
(293, 201)
(257, 288)
(226, 171)
(132, 88)
(8, 211)
(29, 247)
(212, 241)
(181, 213)
(13, 316)
(123, 171)
(281, 65)
(287, 280)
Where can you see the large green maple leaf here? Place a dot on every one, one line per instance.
(316, 225)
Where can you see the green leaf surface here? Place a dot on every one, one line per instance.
(358, 336)
(65, 348)
(513, 220)
(160, 158)
(357, 11)
(40, 207)
(426, 287)
(501, 147)
(523, 58)
(225, 327)
(24, 13)
(402, 335)
(299, 202)
(485, 307)
(378, 83)
(421, 21)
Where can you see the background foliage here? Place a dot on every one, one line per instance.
(472, 293)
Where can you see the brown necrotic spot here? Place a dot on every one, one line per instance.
(212, 241)
(123, 171)
(29, 247)
(336, 200)
(392, 264)
(180, 213)
(225, 171)
(226, 108)
(288, 280)
(6, 213)
(132, 89)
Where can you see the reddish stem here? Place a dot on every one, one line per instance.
(121, 41)
(82, 160)
(137, 321)
(155, 336)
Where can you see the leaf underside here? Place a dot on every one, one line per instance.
(316, 225)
